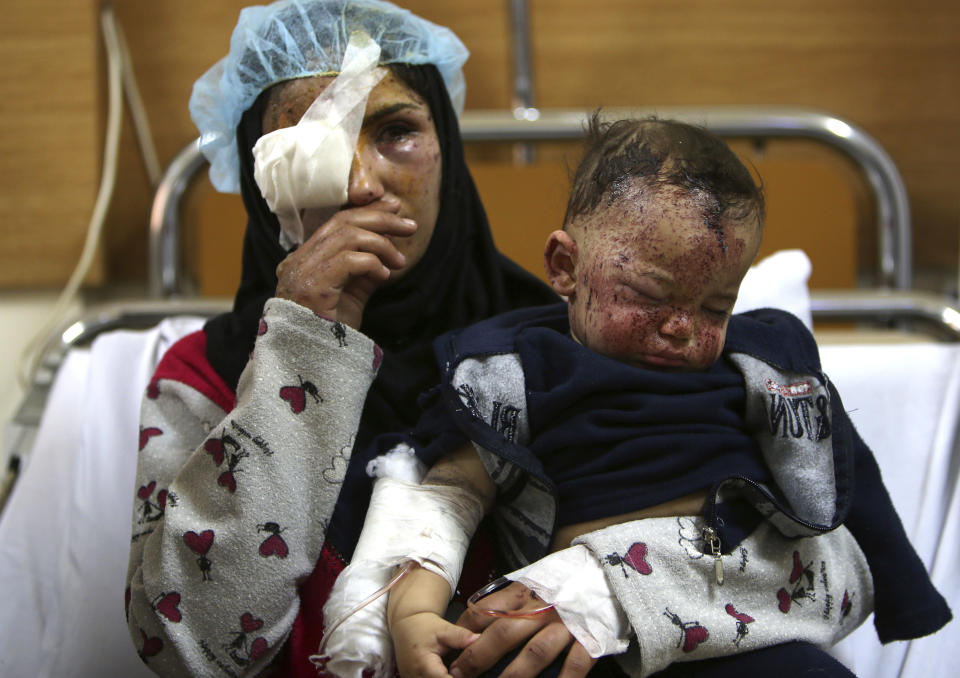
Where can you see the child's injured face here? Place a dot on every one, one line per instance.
(652, 275)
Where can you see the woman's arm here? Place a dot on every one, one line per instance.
(231, 511)
(775, 589)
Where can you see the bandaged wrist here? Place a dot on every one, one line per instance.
(574, 582)
(429, 524)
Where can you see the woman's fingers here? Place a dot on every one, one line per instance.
(338, 288)
(499, 638)
(360, 229)
(334, 272)
(511, 598)
(543, 637)
(539, 652)
(314, 259)
(578, 662)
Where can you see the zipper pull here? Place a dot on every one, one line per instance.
(713, 541)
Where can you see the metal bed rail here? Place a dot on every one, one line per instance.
(925, 310)
(21, 430)
(893, 302)
(895, 254)
(936, 314)
(130, 315)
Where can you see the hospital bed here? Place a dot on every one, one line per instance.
(64, 530)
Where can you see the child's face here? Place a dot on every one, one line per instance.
(652, 280)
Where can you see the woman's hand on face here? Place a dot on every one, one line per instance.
(544, 637)
(340, 265)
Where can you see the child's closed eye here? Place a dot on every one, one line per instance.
(717, 312)
(643, 293)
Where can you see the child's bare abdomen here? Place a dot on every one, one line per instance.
(689, 505)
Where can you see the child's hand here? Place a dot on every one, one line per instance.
(421, 640)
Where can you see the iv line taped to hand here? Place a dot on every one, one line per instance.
(407, 523)
(319, 659)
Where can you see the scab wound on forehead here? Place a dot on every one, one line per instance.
(289, 100)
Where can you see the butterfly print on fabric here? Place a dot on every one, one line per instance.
(742, 621)
(227, 478)
(217, 447)
(240, 648)
(296, 396)
(168, 604)
(274, 545)
(200, 544)
(799, 574)
(636, 558)
(146, 433)
(691, 633)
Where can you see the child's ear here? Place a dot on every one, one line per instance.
(560, 260)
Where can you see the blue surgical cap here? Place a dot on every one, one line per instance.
(297, 38)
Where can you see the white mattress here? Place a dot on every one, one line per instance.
(65, 532)
(904, 400)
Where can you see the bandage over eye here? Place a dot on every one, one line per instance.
(307, 166)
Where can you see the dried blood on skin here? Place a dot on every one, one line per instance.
(669, 239)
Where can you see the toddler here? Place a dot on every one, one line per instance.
(641, 399)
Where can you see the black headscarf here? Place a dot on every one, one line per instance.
(461, 278)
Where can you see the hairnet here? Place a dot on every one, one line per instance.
(296, 38)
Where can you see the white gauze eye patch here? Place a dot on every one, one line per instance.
(307, 166)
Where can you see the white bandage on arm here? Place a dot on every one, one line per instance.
(574, 582)
(429, 524)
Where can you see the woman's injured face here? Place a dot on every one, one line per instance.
(397, 161)
(655, 276)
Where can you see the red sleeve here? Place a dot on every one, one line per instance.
(186, 362)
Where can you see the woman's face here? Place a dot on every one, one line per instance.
(397, 156)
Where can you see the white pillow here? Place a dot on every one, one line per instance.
(778, 281)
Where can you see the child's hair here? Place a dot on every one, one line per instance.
(662, 152)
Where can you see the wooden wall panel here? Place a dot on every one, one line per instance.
(889, 66)
(892, 67)
(49, 165)
(808, 189)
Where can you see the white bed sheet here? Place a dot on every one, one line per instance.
(904, 399)
(65, 532)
